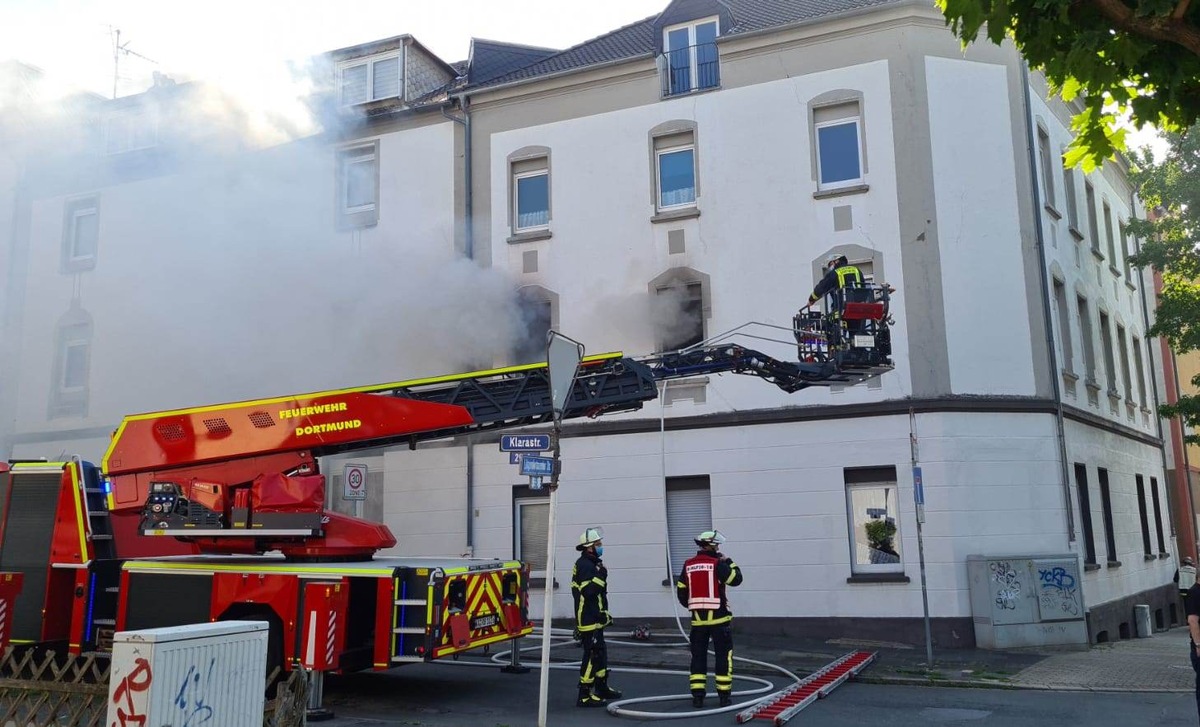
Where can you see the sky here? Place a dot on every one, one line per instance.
(221, 40)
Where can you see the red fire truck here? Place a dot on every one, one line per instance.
(218, 512)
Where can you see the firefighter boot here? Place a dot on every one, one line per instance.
(604, 691)
(587, 699)
(726, 698)
(697, 700)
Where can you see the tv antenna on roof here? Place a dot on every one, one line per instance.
(120, 49)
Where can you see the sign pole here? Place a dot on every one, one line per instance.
(919, 500)
(562, 356)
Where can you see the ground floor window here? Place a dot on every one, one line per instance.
(873, 517)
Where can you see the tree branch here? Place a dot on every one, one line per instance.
(1170, 30)
(1181, 9)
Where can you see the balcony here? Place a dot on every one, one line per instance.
(689, 69)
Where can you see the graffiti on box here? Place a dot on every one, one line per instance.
(131, 696)
(1058, 594)
(1009, 585)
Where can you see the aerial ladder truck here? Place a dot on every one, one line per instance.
(218, 512)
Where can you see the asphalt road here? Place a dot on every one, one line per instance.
(437, 695)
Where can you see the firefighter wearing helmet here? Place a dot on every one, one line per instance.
(701, 589)
(589, 590)
(839, 274)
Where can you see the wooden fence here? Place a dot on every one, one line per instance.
(45, 689)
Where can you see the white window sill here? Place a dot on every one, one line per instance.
(529, 236)
(671, 215)
(841, 191)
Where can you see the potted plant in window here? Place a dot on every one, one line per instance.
(880, 534)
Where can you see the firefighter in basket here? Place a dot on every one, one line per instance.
(844, 283)
(701, 589)
(589, 591)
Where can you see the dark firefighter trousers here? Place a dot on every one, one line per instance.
(722, 641)
(594, 663)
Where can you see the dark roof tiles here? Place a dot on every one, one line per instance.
(638, 39)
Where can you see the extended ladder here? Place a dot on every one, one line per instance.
(787, 704)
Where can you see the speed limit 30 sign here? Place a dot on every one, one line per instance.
(354, 482)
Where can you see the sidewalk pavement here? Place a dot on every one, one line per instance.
(1156, 664)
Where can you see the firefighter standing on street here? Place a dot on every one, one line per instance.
(701, 588)
(589, 591)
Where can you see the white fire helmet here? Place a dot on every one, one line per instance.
(710, 537)
(590, 537)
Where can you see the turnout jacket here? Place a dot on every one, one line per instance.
(836, 279)
(701, 587)
(590, 593)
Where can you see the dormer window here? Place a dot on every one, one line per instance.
(370, 79)
(689, 61)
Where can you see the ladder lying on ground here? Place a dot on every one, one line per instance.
(787, 704)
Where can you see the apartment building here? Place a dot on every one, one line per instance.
(655, 187)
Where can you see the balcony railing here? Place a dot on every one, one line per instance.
(693, 68)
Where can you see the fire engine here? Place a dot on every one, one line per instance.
(219, 512)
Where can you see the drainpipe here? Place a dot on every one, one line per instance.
(1047, 318)
(469, 252)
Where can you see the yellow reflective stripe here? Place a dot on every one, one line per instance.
(698, 620)
(732, 574)
(845, 272)
(598, 581)
(453, 571)
(680, 584)
(134, 566)
(83, 551)
(592, 627)
(38, 466)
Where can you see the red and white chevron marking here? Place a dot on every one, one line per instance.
(3, 621)
(331, 633)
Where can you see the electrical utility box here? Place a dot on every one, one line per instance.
(210, 673)
(1026, 600)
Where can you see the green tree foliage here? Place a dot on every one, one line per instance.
(1171, 187)
(1135, 57)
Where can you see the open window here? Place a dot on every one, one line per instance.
(680, 308)
(536, 307)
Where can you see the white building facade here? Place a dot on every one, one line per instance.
(652, 188)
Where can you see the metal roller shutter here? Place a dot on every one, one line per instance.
(689, 513)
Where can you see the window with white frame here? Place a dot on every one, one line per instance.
(1048, 170)
(531, 195)
(1140, 371)
(690, 52)
(69, 392)
(1072, 203)
(531, 520)
(1064, 325)
(358, 185)
(1089, 193)
(838, 132)
(81, 234)
(675, 165)
(370, 79)
(873, 518)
